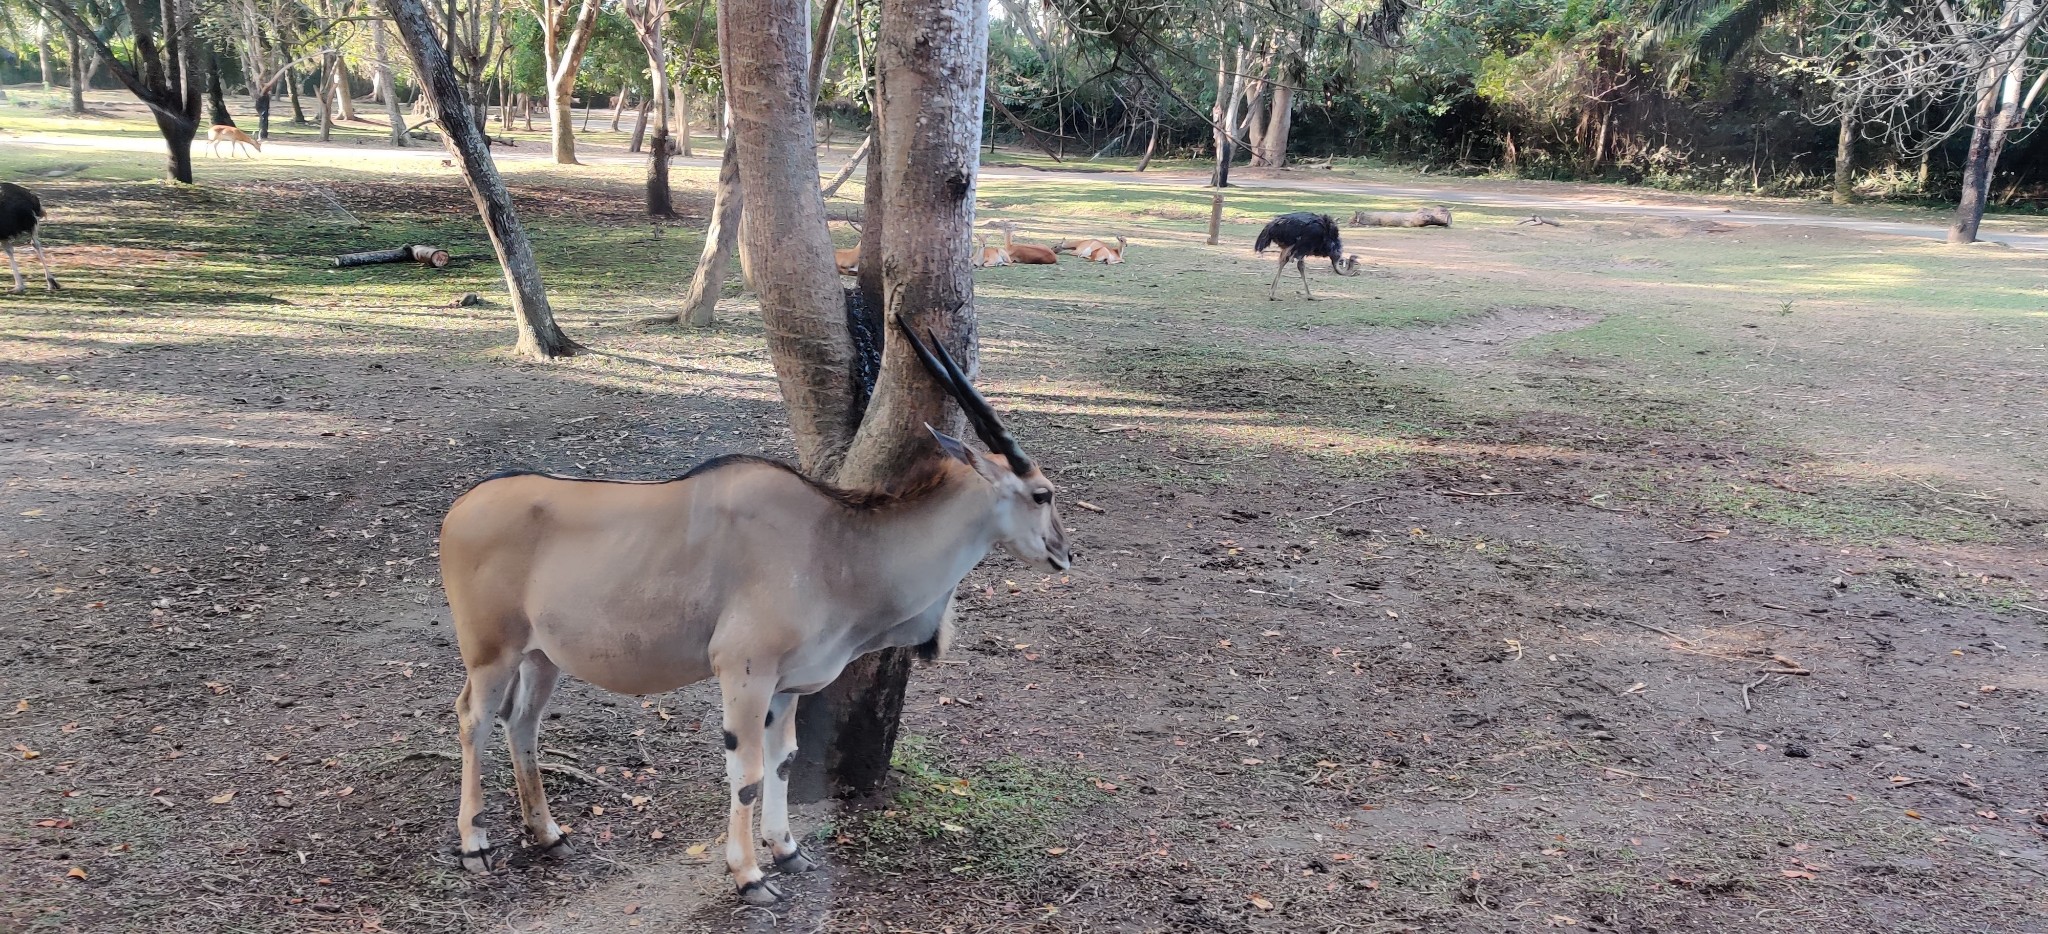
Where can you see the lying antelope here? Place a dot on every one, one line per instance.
(1023, 254)
(1094, 251)
(222, 133)
(986, 255)
(742, 569)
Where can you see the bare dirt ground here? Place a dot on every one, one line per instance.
(1346, 648)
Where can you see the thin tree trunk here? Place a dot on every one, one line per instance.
(618, 108)
(1845, 153)
(325, 99)
(43, 49)
(292, 83)
(640, 123)
(526, 105)
(539, 337)
(563, 58)
(683, 119)
(719, 242)
(846, 171)
(1224, 115)
(1151, 145)
(385, 81)
(77, 74)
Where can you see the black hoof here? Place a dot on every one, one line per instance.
(558, 849)
(797, 861)
(760, 893)
(478, 860)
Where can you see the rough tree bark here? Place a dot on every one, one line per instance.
(934, 59)
(216, 107)
(802, 307)
(563, 57)
(344, 97)
(43, 49)
(326, 99)
(539, 337)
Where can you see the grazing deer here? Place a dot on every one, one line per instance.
(221, 133)
(848, 261)
(1096, 251)
(1023, 254)
(987, 255)
(742, 569)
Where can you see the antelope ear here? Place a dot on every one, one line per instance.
(953, 448)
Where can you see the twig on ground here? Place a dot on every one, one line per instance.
(1607, 508)
(577, 774)
(1943, 492)
(1345, 599)
(1326, 515)
(2033, 608)
(1655, 628)
(1091, 507)
(1751, 684)
(1450, 492)
(1661, 778)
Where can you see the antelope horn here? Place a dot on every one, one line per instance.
(979, 414)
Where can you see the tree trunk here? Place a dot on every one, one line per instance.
(1255, 119)
(563, 57)
(43, 49)
(216, 107)
(291, 79)
(1224, 115)
(683, 119)
(1279, 125)
(326, 100)
(389, 85)
(178, 133)
(860, 154)
(1845, 154)
(719, 242)
(77, 75)
(1998, 111)
(935, 59)
(803, 308)
(539, 337)
(344, 98)
(1151, 145)
(660, 203)
(639, 140)
(526, 106)
(618, 108)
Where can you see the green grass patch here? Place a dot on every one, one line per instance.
(1850, 514)
(992, 820)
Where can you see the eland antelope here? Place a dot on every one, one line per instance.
(742, 569)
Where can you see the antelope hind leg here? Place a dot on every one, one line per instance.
(748, 697)
(483, 697)
(781, 756)
(538, 675)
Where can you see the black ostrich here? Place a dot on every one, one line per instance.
(20, 212)
(1301, 235)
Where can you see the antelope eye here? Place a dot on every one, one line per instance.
(1041, 497)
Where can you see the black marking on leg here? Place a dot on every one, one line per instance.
(771, 719)
(482, 854)
(782, 771)
(749, 792)
(561, 842)
(758, 885)
(793, 856)
(731, 742)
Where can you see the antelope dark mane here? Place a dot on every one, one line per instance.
(917, 485)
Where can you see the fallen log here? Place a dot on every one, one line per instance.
(1537, 220)
(425, 255)
(1438, 216)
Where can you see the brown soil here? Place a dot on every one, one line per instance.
(1472, 691)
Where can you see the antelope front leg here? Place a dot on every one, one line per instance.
(747, 701)
(781, 754)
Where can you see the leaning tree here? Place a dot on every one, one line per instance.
(932, 60)
(539, 337)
